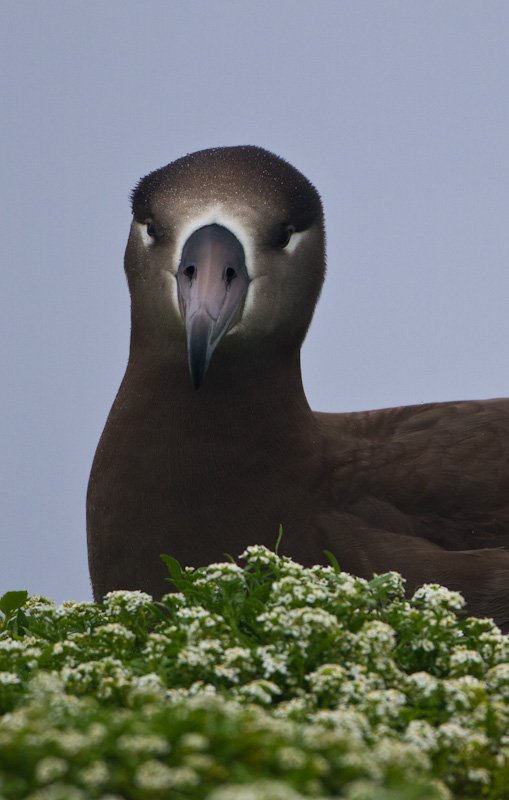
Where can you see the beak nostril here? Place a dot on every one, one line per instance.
(190, 271)
(229, 274)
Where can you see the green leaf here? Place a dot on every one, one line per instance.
(333, 560)
(280, 536)
(156, 610)
(45, 656)
(174, 567)
(380, 581)
(11, 601)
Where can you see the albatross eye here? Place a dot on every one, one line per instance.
(151, 229)
(285, 234)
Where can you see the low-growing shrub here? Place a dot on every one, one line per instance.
(270, 681)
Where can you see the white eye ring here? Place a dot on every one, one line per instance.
(147, 239)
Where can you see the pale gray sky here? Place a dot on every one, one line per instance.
(397, 110)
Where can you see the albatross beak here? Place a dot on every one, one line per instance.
(212, 284)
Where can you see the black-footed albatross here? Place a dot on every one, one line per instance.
(211, 445)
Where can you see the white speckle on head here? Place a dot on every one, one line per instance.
(145, 238)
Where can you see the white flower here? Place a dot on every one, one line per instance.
(391, 753)
(462, 656)
(226, 672)
(146, 743)
(299, 623)
(347, 586)
(111, 797)
(117, 631)
(72, 742)
(394, 581)
(97, 732)
(455, 736)
(46, 684)
(118, 601)
(12, 646)
(94, 775)
(39, 605)
(498, 679)
(9, 678)
(423, 683)
(423, 644)
(200, 762)
(420, 733)
(234, 655)
(288, 590)
(194, 741)
(259, 691)
(153, 776)
(327, 678)
(375, 629)
(272, 661)
(75, 610)
(298, 708)
(260, 790)
(50, 769)
(384, 703)
(259, 554)
(198, 688)
(224, 572)
(291, 758)
(479, 776)
(438, 597)
(463, 693)
(158, 644)
(350, 723)
(147, 687)
(202, 654)
(58, 791)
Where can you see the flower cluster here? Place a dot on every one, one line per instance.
(267, 681)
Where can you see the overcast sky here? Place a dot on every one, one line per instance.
(396, 110)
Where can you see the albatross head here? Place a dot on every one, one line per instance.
(226, 252)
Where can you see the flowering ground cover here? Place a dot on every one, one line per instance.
(263, 682)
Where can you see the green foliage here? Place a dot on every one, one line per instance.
(11, 605)
(267, 682)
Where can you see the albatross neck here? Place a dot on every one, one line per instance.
(250, 390)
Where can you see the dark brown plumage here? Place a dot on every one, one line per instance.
(197, 474)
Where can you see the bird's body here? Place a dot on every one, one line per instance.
(197, 474)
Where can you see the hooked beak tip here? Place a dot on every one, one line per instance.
(199, 348)
(197, 377)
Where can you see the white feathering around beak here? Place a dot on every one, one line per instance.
(217, 215)
(234, 221)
